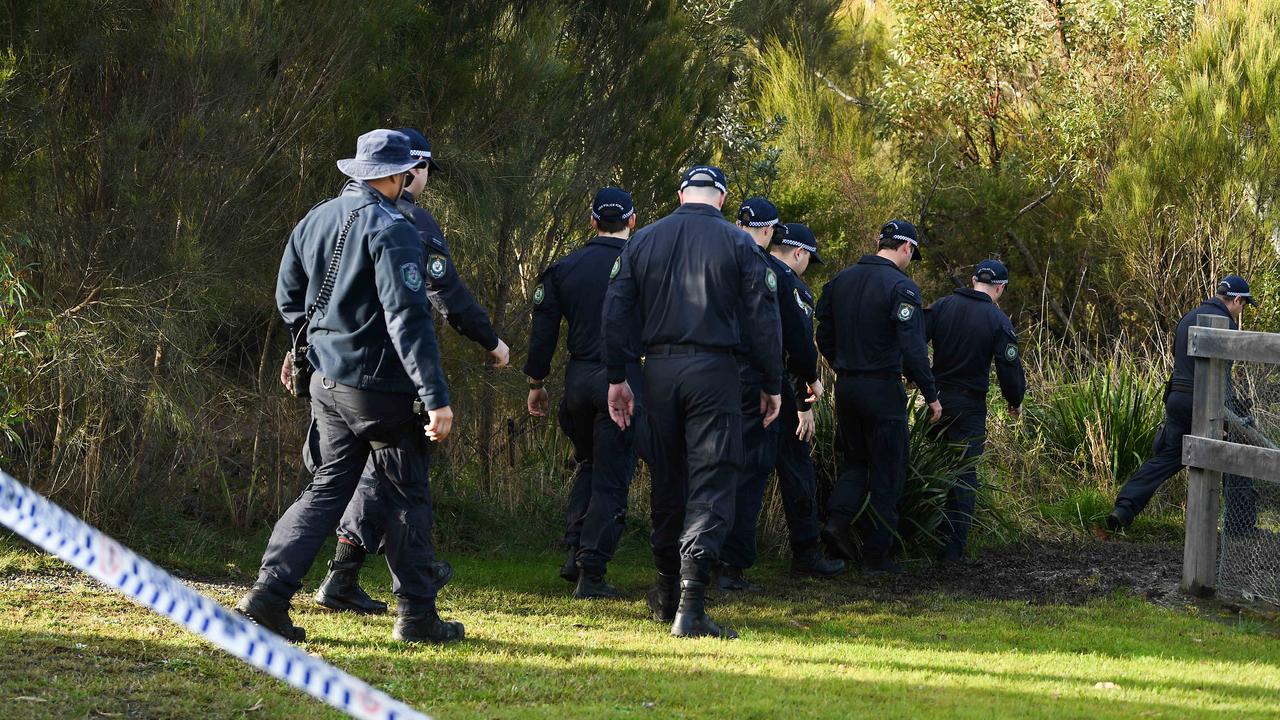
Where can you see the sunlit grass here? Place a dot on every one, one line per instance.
(75, 650)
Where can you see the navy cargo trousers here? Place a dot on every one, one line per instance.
(352, 427)
(692, 401)
(871, 433)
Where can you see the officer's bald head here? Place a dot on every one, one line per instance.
(705, 194)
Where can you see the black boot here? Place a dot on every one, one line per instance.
(663, 597)
(593, 587)
(422, 624)
(731, 579)
(809, 561)
(691, 618)
(839, 539)
(271, 612)
(1116, 522)
(341, 589)
(569, 570)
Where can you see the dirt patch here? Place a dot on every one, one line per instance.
(1061, 573)
(1037, 572)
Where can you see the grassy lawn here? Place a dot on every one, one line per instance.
(808, 649)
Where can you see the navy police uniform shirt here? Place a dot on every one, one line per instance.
(574, 289)
(968, 331)
(685, 280)
(377, 332)
(1184, 366)
(445, 289)
(870, 322)
(795, 308)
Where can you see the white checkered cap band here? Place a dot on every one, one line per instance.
(420, 153)
(625, 215)
(704, 177)
(913, 241)
(761, 223)
(797, 243)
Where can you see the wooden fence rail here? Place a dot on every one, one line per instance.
(1204, 452)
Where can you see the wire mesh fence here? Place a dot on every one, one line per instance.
(1249, 547)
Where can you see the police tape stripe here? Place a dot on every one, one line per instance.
(62, 534)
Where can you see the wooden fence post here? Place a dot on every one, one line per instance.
(1200, 553)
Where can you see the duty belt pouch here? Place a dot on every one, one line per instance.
(302, 368)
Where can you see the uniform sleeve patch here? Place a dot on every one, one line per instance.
(771, 280)
(806, 307)
(411, 275)
(436, 266)
(906, 311)
(617, 265)
(1010, 352)
(539, 294)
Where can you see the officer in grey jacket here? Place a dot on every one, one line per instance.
(369, 329)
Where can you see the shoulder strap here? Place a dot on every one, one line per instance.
(331, 274)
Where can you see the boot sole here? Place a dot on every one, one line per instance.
(339, 606)
(297, 637)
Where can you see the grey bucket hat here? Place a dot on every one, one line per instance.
(379, 153)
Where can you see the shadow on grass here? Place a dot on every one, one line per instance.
(76, 674)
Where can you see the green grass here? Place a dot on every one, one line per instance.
(807, 650)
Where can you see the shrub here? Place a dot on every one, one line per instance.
(1099, 421)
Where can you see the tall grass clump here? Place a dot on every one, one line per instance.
(1098, 422)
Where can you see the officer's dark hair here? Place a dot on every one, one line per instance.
(890, 243)
(610, 226)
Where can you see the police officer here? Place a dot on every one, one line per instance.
(678, 290)
(759, 218)
(360, 530)
(871, 331)
(352, 279)
(793, 250)
(1166, 455)
(969, 330)
(574, 289)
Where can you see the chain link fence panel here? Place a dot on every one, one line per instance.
(1249, 546)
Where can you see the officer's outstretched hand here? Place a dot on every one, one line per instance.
(770, 406)
(500, 356)
(807, 428)
(539, 402)
(935, 411)
(286, 371)
(621, 404)
(439, 423)
(815, 391)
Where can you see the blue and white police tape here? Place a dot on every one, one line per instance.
(68, 537)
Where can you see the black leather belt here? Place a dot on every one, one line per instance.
(871, 374)
(961, 390)
(687, 349)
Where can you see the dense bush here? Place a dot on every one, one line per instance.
(155, 155)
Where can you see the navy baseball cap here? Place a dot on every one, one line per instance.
(379, 153)
(612, 203)
(798, 235)
(1235, 286)
(992, 272)
(902, 230)
(705, 176)
(757, 212)
(420, 147)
